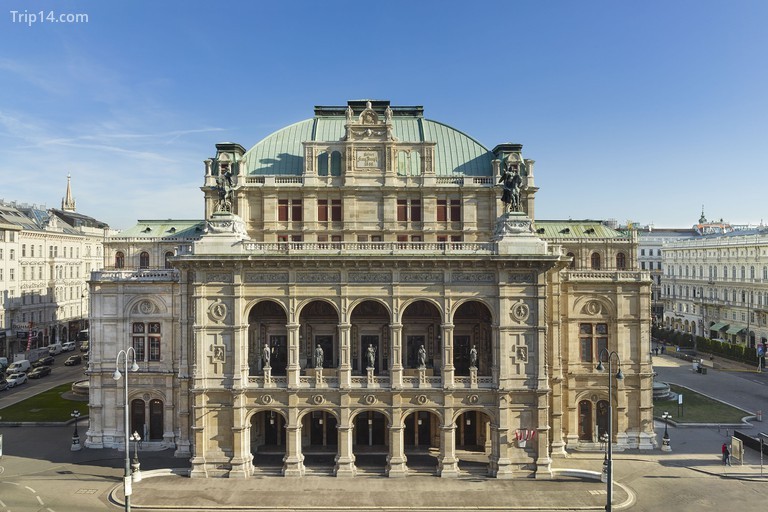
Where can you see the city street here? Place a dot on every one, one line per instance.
(41, 473)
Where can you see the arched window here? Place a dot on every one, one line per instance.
(725, 272)
(595, 260)
(752, 272)
(119, 260)
(322, 164)
(144, 260)
(743, 273)
(621, 261)
(168, 256)
(572, 264)
(335, 163)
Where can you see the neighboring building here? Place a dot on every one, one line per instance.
(650, 242)
(717, 286)
(358, 287)
(44, 266)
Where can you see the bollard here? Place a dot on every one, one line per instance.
(759, 416)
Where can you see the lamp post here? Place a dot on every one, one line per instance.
(609, 457)
(135, 466)
(134, 367)
(665, 447)
(75, 436)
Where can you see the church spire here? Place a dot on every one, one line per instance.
(68, 203)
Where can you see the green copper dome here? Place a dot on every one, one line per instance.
(282, 153)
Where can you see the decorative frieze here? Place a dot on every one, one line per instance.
(266, 277)
(369, 277)
(318, 277)
(521, 277)
(473, 277)
(219, 277)
(421, 277)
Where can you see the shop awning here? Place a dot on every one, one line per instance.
(719, 326)
(735, 330)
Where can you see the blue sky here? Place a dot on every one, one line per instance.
(632, 110)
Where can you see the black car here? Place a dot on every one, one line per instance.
(44, 361)
(40, 371)
(73, 360)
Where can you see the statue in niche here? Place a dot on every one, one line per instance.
(422, 357)
(224, 186)
(512, 183)
(371, 356)
(319, 357)
(266, 355)
(350, 113)
(473, 357)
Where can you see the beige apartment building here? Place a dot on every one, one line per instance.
(370, 285)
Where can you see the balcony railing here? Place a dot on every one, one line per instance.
(141, 274)
(380, 248)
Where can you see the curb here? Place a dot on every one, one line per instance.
(574, 473)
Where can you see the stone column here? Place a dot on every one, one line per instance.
(293, 464)
(502, 440)
(345, 353)
(241, 458)
(396, 459)
(345, 458)
(294, 370)
(448, 368)
(448, 464)
(396, 356)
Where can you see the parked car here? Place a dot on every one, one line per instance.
(40, 371)
(44, 361)
(18, 367)
(68, 346)
(54, 349)
(73, 360)
(17, 379)
(3, 384)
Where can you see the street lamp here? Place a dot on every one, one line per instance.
(75, 436)
(609, 457)
(665, 447)
(116, 376)
(135, 466)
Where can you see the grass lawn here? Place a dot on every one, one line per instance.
(697, 409)
(47, 406)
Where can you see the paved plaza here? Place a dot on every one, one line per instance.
(41, 473)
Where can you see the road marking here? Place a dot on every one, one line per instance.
(1, 503)
(40, 500)
(30, 489)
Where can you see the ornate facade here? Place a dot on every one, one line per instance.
(359, 292)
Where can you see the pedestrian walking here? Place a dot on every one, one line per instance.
(726, 455)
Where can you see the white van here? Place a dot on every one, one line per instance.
(22, 366)
(68, 346)
(54, 349)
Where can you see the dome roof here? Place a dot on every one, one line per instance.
(282, 153)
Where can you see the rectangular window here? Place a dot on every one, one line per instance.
(23, 250)
(416, 210)
(322, 210)
(282, 210)
(297, 211)
(154, 348)
(402, 210)
(32, 250)
(593, 338)
(289, 210)
(455, 210)
(11, 276)
(138, 346)
(336, 210)
(442, 210)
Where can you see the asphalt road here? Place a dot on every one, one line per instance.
(42, 474)
(59, 375)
